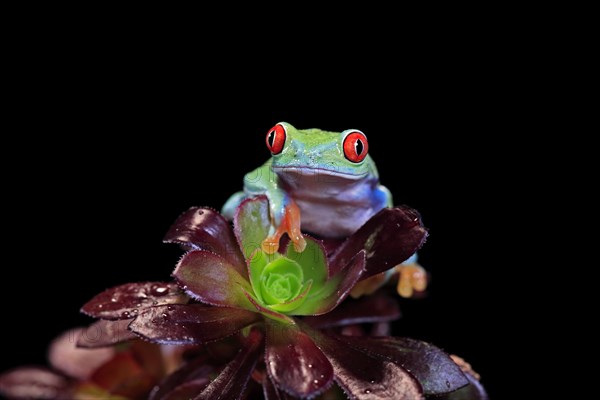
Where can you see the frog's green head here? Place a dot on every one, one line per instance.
(340, 154)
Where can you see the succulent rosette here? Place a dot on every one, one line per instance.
(279, 326)
(283, 306)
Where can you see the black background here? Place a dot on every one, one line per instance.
(106, 155)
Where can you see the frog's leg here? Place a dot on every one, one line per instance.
(289, 223)
(284, 212)
(412, 277)
(230, 205)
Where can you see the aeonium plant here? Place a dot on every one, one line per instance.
(280, 303)
(282, 318)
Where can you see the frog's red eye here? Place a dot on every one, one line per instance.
(276, 139)
(356, 146)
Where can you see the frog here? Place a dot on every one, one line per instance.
(324, 183)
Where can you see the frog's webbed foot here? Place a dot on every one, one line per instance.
(411, 278)
(290, 224)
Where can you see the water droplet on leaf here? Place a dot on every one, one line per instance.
(157, 290)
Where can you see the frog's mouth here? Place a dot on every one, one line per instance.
(306, 171)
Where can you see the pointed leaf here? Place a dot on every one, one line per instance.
(126, 301)
(363, 376)
(388, 238)
(433, 368)
(232, 380)
(252, 224)
(206, 229)
(33, 383)
(473, 391)
(210, 279)
(294, 362)
(105, 333)
(190, 323)
(378, 307)
(193, 376)
(335, 290)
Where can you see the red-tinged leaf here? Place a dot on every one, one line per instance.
(252, 224)
(123, 375)
(190, 323)
(192, 377)
(388, 238)
(211, 279)
(33, 383)
(363, 376)
(473, 391)
(105, 333)
(206, 229)
(294, 362)
(267, 312)
(232, 380)
(271, 392)
(378, 307)
(64, 355)
(336, 289)
(126, 301)
(434, 369)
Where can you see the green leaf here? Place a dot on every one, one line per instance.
(281, 281)
(252, 224)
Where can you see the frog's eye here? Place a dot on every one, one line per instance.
(276, 139)
(356, 146)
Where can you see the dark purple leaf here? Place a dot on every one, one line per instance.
(195, 375)
(346, 280)
(433, 368)
(66, 357)
(213, 280)
(252, 224)
(105, 333)
(294, 362)
(363, 376)
(126, 301)
(190, 323)
(206, 229)
(33, 383)
(271, 392)
(232, 381)
(378, 307)
(388, 238)
(473, 391)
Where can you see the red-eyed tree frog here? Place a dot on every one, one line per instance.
(324, 183)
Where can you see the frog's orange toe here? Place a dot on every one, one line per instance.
(270, 245)
(290, 224)
(412, 277)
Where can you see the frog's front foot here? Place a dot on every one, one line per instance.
(290, 224)
(411, 278)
